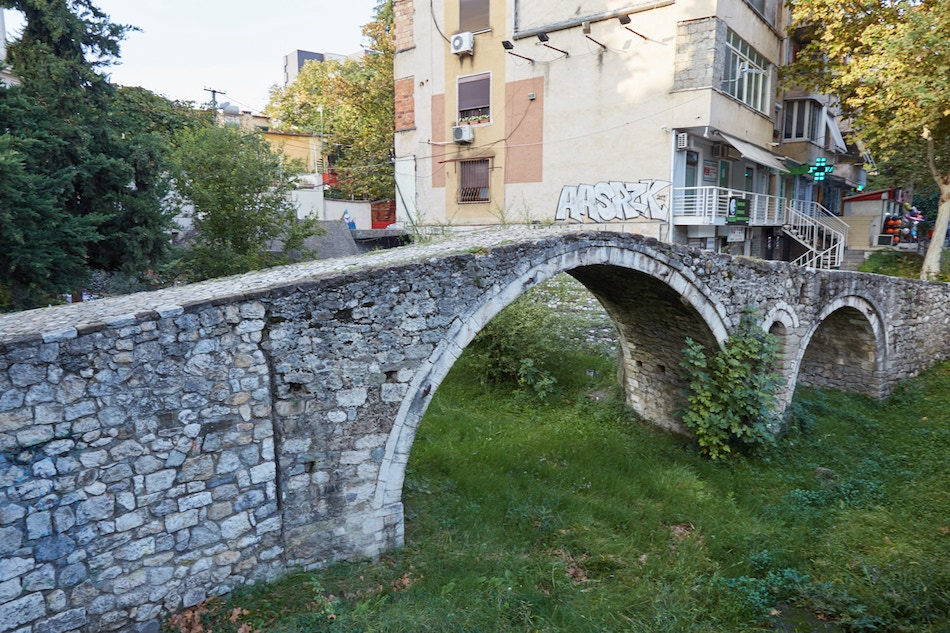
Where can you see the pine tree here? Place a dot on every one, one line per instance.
(82, 181)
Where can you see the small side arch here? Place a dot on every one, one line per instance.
(783, 323)
(679, 279)
(845, 348)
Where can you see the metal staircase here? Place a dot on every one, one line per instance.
(823, 234)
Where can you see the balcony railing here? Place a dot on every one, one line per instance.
(710, 205)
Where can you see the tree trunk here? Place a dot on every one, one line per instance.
(931, 266)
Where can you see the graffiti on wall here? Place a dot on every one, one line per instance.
(613, 201)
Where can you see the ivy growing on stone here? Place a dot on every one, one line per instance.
(732, 403)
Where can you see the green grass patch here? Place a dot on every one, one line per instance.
(905, 264)
(570, 514)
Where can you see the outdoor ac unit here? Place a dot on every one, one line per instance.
(463, 134)
(682, 141)
(463, 43)
(721, 150)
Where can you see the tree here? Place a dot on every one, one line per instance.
(351, 104)
(240, 189)
(888, 63)
(83, 179)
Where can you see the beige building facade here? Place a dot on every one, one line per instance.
(660, 117)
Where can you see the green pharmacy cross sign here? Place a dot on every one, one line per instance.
(820, 169)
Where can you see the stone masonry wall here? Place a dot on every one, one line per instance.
(161, 448)
(137, 471)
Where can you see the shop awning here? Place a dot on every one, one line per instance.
(756, 153)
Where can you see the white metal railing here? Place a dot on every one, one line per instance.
(710, 205)
(821, 232)
(809, 223)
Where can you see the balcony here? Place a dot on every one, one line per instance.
(710, 206)
(822, 234)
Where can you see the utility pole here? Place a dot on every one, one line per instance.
(214, 97)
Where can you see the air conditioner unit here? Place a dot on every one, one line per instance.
(463, 43)
(721, 150)
(463, 134)
(682, 141)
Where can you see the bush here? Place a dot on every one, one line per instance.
(732, 402)
(515, 347)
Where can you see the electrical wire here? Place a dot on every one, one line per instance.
(436, 24)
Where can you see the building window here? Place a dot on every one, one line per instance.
(746, 75)
(473, 180)
(474, 98)
(802, 120)
(473, 15)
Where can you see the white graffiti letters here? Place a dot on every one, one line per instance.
(613, 201)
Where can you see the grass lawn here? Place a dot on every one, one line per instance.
(570, 514)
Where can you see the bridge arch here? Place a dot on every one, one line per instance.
(846, 348)
(597, 268)
(783, 323)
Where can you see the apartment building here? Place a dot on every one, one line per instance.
(660, 117)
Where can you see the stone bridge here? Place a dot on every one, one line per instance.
(160, 448)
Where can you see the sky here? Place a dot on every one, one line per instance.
(232, 46)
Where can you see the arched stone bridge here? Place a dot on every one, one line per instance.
(159, 448)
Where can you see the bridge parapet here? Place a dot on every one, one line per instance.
(160, 448)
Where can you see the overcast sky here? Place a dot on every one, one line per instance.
(233, 46)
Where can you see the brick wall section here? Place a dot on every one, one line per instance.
(403, 14)
(405, 104)
(164, 447)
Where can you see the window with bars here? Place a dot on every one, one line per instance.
(473, 180)
(803, 119)
(473, 15)
(474, 97)
(746, 75)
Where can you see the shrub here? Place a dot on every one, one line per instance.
(515, 347)
(732, 402)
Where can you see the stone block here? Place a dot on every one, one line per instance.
(263, 473)
(128, 521)
(136, 550)
(72, 575)
(42, 578)
(38, 525)
(35, 435)
(160, 481)
(181, 520)
(351, 397)
(95, 509)
(10, 589)
(235, 526)
(196, 468)
(194, 501)
(23, 611)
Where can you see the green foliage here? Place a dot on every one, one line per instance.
(350, 103)
(513, 348)
(905, 264)
(84, 164)
(732, 402)
(240, 191)
(888, 66)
